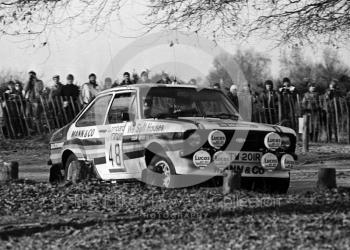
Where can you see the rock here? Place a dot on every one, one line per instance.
(8, 171)
(326, 178)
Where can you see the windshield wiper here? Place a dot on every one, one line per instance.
(165, 115)
(224, 116)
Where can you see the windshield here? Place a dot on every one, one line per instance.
(165, 102)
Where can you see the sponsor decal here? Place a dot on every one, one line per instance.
(84, 133)
(287, 161)
(117, 132)
(273, 141)
(201, 158)
(153, 127)
(217, 138)
(239, 169)
(56, 145)
(221, 159)
(240, 140)
(269, 160)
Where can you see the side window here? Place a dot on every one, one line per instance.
(96, 113)
(123, 108)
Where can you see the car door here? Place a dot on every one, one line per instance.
(87, 136)
(121, 115)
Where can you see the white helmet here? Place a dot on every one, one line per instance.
(233, 87)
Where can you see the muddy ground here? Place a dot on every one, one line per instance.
(35, 214)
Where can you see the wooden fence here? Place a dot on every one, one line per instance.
(21, 118)
(331, 122)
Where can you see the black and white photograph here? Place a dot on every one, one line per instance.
(175, 124)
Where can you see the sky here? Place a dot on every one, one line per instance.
(103, 52)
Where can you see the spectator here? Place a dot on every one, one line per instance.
(331, 95)
(164, 79)
(115, 84)
(18, 88)
(144, 77)
(216, 86)
(70, 93)
(126, 79)
(311, 106)
(89, 90)
(108, 83)
(232, 94)
(288, 95)
(269, 99)
(56, 91)
(32, 92)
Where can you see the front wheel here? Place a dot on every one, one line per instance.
(164, 166)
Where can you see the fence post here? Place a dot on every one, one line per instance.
(45, 114)
(63, 110)
(24, 114)
(306, 133)
(9, 123)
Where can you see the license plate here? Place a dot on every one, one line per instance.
(244, 156)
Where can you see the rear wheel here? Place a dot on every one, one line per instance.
(55, 174)
(162, 165)
(69, 161)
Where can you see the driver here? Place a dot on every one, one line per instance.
(147, 108)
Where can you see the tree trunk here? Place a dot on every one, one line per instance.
(232, 181)
(326, 178)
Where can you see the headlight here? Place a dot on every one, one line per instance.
(194, 140)
(272, 141)
(287, 161)
(285, 143)
(269, 161)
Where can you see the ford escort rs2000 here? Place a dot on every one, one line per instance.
(175, 131)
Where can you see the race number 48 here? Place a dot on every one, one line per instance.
(114, 154)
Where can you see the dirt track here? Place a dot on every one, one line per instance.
(132, 216)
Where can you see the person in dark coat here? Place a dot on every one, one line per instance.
(56, 91)
(126, 79)
(269, 100)
(70, 94)
(311, 106)
(331, 96)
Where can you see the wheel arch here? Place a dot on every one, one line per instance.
(153, 149)
(65, 156)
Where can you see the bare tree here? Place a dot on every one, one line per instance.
(283, 20)
(36, 17)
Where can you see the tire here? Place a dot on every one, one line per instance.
(162, 165)
(69, 160)
(55, 174)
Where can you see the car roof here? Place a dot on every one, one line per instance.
(149, 85)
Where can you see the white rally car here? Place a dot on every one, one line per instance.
(172, 130)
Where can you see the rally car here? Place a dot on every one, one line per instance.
(175, 131)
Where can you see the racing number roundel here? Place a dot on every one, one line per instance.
(216, 139)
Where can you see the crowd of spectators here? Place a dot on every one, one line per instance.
(65, 98)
